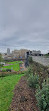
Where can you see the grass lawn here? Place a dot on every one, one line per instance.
(7, 85)
(15, 65)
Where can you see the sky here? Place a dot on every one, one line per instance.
(24, 24)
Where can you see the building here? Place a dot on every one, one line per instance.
(33, 53)
(8, 51)
(22, 52)
(19, 53)
(14, 55)
(36, 53)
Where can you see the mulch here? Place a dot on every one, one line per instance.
(24, 98)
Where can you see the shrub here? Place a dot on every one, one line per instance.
(33, 81)
(28, 72)
(43, 98)
(1, 65)
(30, 59)
(3, 70)
(8, 70)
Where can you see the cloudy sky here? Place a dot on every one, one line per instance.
(24, 24)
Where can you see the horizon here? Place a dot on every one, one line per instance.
(22, 48)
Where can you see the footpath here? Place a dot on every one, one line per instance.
(24, 98)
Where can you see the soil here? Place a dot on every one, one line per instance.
(24, 98)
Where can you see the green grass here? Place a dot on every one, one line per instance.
(7, 85)
(15, 65)
(46, 55)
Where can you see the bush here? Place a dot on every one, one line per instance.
(8, 70)
(3, 70)
(1, 65)
(43, 98)
(33, 81)
(30, 59)
(28, 72)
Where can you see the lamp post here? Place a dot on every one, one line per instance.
(26, 59)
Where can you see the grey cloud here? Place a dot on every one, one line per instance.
(24, 24)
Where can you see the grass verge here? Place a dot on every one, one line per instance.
(7, 85)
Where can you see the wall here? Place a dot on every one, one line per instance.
(41, 59)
